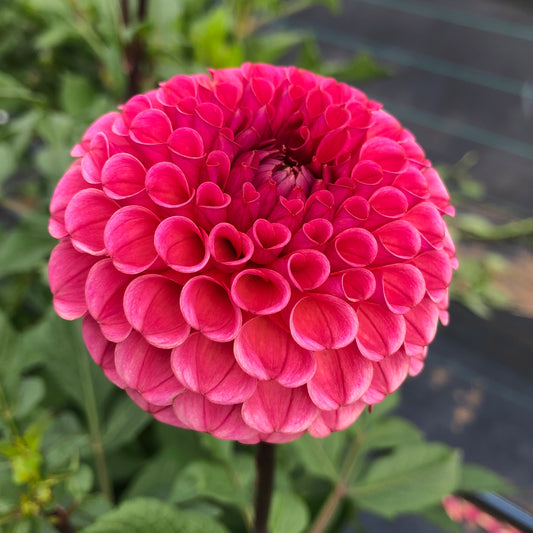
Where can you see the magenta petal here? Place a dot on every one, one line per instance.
(229, 247)
(422, 322)
(428, 221)
(260, 290)
(151, 304)
(308, 269)
(104, 293)
(354, 247)
(102, 350)
(386, 152)
(67, 272)
(388, 202)
(182, 244)
(313, 234)
(403, 287)
(209, 368)
(380, 331)
(367, 172)
(211, 204)
(336, 420)
(266, 351)
(93, 161)
(399, 239)
(207, 307)
(85, 219)
(342, 376)
(123, 176)
(274, 408)
(129, 239)
(436, 269)
(322, 322)
(147, 370)
(151, 126)
(391, 372)
(268, 239)
(167, 185)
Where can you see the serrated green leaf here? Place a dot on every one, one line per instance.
(389, 432)
(408, 479)
(289, 513)
(125, 421)
(26, 247)
(476, 477)
(144, 515)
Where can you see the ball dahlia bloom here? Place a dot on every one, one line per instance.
(256, 253)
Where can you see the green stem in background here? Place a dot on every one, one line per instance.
(94, 428)
(265, 462)
(330, 506)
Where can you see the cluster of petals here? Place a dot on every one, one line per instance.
(257, 252)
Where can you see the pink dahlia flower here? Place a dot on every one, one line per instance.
(256, 254)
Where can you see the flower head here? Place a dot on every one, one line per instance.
(256, 254)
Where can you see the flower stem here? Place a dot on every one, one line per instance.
(327, 512)
(265, 464)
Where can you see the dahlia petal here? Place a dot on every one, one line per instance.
(367, 172)
(313, 234)
(176, 89)
(266, 351)
(229, 247)
(166, 415)
(222, 421)
(331, 145)
(322, 322)
(354, 247)
(320, 205)
(209, 368)
(151, 305)
(181, 244)
(151, 126)
(146, 369)
(438, 194)
(133, 107)
(384, 125)
(67, 272)
(187, 151)
(104, 293)
(207, 307)
(260, 291)
(85, 219)
(399, 239)
(422, 322)
(380, 331)
(307, 269)
(353, 212)
(274, 408)
(342, 376)
(101, 124)
(436, 268)
(428, 221)
(71, 183)
(167, 185)
(412, 182)
(123, 176)
(268, 238)
(388, 154)
(389, 374)
(93, 161)
(403, 287)
(129, 239)
(211, 204)
(337, 420)
(289, 213)
(208, 121)
(388, 202)
(101, 350)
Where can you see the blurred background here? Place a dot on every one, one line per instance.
(458, 74)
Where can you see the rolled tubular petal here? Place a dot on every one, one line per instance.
(307, 269)
(129, 239)
(355, 247)
(268, 239)
(207, 307)
(152, 307)
(167, 185)
(182, 244)
(266, 351)
(229, 247)
(260, 291)
(322, 322)
(274, 408)
(209, 368)
(342, 376)
(403, 287)
(123, 176)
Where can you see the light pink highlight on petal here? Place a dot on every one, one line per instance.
(207, 307)
(146, 369)
(380, 331)
(266, 351)
(322, 322)
(152, 307)
(342, 376)
(182, 244)
(67, 272)
(129, 239)
(123, 176)
(209, 368)
(274, 408)
(85, 219)
(104, 293)
(260, 291)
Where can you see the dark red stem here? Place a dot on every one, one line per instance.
(265, 465)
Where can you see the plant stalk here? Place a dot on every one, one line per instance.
(265, 464)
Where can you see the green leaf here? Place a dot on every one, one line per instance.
(81, 482)
(408, 479)
(125, 421)
(438, 516)
(475, 477)
(9, 161)
(390, 432)
(26, 247)
(289, 513)
(10, 360)
(77, 94)
(31, 392)
(144, 515)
